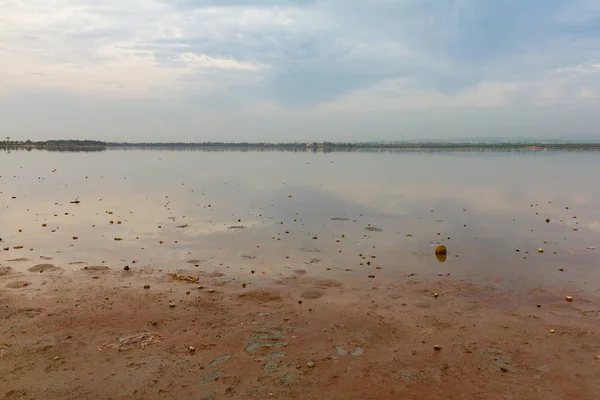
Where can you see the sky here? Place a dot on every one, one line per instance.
(299, 70)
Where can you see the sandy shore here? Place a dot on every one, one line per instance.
(302, 337)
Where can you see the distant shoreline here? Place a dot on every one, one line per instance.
(92, 145)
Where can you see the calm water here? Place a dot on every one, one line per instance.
(295, 207)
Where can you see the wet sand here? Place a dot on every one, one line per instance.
(300, 337)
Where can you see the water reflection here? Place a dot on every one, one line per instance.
(358, 214)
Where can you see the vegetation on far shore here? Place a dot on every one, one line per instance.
(97, 145)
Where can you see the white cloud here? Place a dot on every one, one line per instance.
(206, 61)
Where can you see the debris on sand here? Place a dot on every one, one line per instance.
(540, 250)
(185, 278)
(569, 299)
(3, 350)
(140, 340)
(118, 239)
(373, 229)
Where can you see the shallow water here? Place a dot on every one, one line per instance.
(294, 208)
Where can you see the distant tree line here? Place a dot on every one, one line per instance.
(97, 145)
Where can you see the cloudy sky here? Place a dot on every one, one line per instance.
(253, 70)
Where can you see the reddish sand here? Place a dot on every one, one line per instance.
(59, 339)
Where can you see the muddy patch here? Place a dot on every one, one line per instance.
(311, 294)
(17, 284)
(321, 283)
(96, 268)
(260, 296)
(43, 268)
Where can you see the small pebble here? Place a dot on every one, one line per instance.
(171, 305)
(437, 347)
(146, 286)
(569, 298)
(552, 331)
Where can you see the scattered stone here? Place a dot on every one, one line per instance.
(371, 276)
(311, 364)
(437, 347)
(146, 286)
(435, 295)
(171, 304)
(569, 298)
(552, 330)
(540, 250)
(191, 349)
(118, 239)
(126, 268)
